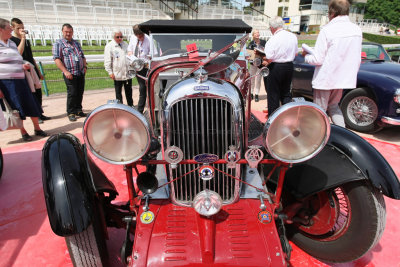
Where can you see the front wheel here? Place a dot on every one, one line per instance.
(89, 248)
(360, 111)
(345, 223)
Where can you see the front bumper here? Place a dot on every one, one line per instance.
(391, 121)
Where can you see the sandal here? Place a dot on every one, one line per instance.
(41, 133)
(26, 137)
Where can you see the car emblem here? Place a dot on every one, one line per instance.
(253, 156)
(147, 217)
(232, 156)
(206, 173)
(173, 155)
(264, 217)
(201, 88)
(206, 158)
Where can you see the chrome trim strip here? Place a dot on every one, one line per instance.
(390, 121)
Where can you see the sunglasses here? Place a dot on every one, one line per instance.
(119, 37)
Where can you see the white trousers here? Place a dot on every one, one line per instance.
(255, 81)
(329, 101)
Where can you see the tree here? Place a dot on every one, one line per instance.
(384, 11)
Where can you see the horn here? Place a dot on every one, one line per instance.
(147, 182)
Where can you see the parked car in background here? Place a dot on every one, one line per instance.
(375, 102)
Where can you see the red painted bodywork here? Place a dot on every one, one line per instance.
(179, 236)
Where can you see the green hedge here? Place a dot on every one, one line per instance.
(381, 39)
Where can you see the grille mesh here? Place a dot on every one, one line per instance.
(197, 126)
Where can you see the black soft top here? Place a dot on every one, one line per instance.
(195, 26)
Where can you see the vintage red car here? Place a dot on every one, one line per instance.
(209, 184)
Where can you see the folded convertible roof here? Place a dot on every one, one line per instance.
(195, 26)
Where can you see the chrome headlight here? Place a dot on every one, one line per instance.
(207, 203)
(117, 133)
(296, 132)
(137, 64)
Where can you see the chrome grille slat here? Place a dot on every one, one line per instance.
(197, 126)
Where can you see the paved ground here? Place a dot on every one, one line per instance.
(55, 105)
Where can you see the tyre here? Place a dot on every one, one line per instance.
(346, 223)
(360, 111)
(88, 248)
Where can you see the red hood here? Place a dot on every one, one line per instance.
(180, 237)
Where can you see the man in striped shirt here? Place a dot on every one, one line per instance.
(69, 58)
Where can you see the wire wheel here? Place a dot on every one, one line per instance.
(362, 111)
(345, 223)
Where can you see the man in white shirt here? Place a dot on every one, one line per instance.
(337, 57)
(139, 46)
(280, 52)
(115, 63)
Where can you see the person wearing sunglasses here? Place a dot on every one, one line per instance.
(116, 65)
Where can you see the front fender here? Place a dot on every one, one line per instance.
(66, 186)
(346, 157)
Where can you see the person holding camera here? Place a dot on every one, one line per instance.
(24, 48)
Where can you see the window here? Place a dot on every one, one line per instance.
(283, 11)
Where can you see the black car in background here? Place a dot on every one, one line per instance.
(375, 102)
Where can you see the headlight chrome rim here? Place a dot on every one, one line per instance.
(286, 108)
(114, 105)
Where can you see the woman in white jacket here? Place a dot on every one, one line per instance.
(115, 63)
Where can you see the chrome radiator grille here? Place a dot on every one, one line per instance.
(197, 126)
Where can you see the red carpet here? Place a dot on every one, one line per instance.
(27, 240)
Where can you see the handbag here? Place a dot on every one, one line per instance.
(12, 117)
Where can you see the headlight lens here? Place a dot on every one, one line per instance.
(396, 96)
(137, 64)
(116, 133)
(207, 203)
(296, 132)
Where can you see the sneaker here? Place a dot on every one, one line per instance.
(71, 117)
(81, 114)
(252, 96)
(26, 137)
(40, 133)
(44, 118)
(256, 98)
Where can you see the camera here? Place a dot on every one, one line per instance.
(26, 31)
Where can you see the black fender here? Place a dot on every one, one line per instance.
(346, 157)
(68, 185)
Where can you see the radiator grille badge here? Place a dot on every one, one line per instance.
(253, 156)
(205, 158)
(206, 173)
(232, 156)
(173, 155)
